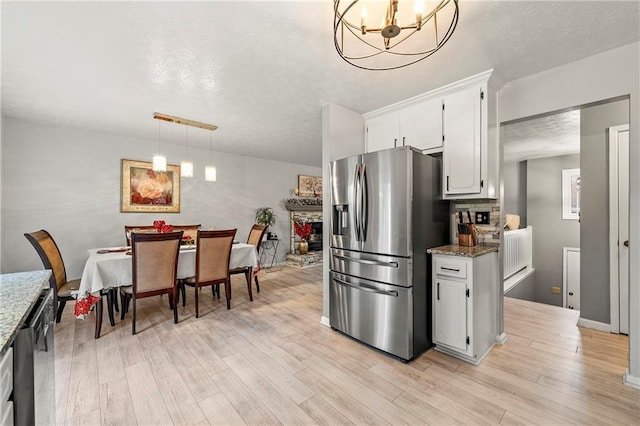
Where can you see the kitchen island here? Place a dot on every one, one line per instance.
(18, 294)
(465, 287)
(27, 380)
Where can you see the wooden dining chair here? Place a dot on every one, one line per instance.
(190, 230)
(51, 258)
(255, 239)
(154, 270)
(213, 251)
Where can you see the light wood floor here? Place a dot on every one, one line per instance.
(271, 362)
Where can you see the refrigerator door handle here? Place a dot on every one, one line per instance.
(365, 200)
(366, 288)
(356, 213)
(367, 262)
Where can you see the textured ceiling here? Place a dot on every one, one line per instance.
(260, 70)
(549, 136)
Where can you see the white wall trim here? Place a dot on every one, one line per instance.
(594, 325)
(325, 321)
(614, 284)
(518, 278)
(630, 380)
(502, 338)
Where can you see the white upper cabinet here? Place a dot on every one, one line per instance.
(459, 120)
(382, 132)
(462, 142)
(421, 125)
(418, 125)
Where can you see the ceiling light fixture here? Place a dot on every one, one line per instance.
(186, 166)
(210, 171)
(159, 160)
(392, 45)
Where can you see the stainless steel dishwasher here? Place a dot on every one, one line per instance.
(34, 392)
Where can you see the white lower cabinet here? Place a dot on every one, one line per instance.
(464, 305)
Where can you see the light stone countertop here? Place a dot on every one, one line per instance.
(456, 250)
(18, 293)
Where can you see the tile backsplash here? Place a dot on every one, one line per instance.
(486, 233)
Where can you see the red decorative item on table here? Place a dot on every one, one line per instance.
(162, 227)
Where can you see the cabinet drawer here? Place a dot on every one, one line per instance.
(6, 375)
(451, 267)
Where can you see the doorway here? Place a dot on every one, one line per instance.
(619, 227)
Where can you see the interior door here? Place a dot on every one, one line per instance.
(619, 227)
(571, 276)
(623, 228)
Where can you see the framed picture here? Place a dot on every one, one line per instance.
(145, 191)
(571, 194)
(309, 186)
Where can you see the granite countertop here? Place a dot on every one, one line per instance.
(456, 250)
(18, 293)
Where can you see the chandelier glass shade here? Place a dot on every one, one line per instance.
(186, 166)
(386, 35)
(210, 174)
(159, 162)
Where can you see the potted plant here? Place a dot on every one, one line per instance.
(265, 216)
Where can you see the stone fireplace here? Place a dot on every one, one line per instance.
(311, 214)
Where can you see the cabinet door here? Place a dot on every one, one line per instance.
(462, 140)
(382, 132)
(450, 300)
(421, 125)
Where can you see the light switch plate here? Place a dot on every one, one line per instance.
(482, 218)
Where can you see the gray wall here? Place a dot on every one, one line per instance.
(67, 181)
(550, 232)
(526, 290)
(515, 189)
(594, 233)
(603, 76)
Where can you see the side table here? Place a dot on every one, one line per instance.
(268, 251)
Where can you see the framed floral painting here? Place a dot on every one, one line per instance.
(145, 191)
(309, 186)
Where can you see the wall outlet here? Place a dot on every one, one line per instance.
(482, 218)
(555, 290)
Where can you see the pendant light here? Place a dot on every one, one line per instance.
(159, 160)
(210, 171)
(186, 166)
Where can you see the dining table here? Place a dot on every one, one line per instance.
(106, 269)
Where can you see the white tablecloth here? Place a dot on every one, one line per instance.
(114, 269)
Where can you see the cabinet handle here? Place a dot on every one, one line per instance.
(450, 269)
(447, 183)
(395, 143)
(438, 292)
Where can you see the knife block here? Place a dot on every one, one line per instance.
(469, 240)
(465, 240)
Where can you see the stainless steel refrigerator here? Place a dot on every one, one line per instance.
(386, 211)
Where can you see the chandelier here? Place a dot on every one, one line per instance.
(392, 44)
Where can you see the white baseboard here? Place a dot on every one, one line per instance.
(325, 321)
(518, 278)
(595, 325)
(502, 339)
(630, 380)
